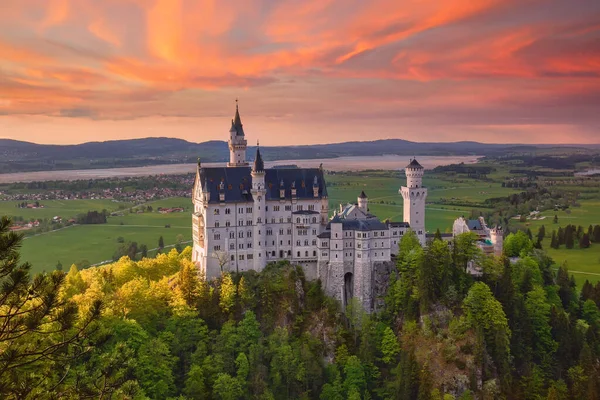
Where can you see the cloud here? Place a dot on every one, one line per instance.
(319, 63)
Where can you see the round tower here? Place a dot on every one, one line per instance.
(363, 202)
(497, 239)
(414, 196)
(259, 196)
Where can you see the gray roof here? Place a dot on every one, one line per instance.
(236, 123)
(305, 212)
(362, 195)
(474, 225)
(324, 235)
(371, 224)
(414, 164)
(238, 182)
(399, 224)
(259, 165)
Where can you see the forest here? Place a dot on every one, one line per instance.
(154, 329)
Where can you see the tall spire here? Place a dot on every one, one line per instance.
(237, 121)
(259, 165)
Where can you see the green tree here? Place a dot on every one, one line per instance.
(227, 293)
(59, 266)
(541, 233)
(227, 388)
(584, 243)
(596, 236)
(517, 244)
(155, 369)
(161, 243)
(569, 237)
(189, 284)
(144, 250)
(438, 235)
(555, 219)
(38, 328)
(484, 312)
(194, 384)
(554, 241)
(538, 312)
(390, 347)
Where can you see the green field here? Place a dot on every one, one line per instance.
(62, 208)
(583, 263)
(97, 243)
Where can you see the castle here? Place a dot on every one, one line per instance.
(247, 216)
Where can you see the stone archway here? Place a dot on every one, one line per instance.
(348, 287)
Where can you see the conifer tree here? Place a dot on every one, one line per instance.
(541, 233)
(569, 237)
(596, 236)
(584, 243)
(554, 241)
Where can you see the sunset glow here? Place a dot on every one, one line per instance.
(311, 71)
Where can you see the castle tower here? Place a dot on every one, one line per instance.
(363, 202)
(414, 195)
(497, 239)
(237, 142)
(259, 224)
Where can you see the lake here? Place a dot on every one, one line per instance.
(387, 162)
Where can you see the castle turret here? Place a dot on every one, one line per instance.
(259, 211)
(414, 195)
(497, 239)
(363, 202)
(237, 141)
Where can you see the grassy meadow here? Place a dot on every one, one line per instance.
(97, 243)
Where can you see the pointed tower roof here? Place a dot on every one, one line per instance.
(236, 122)
(362, 195)
(414, 164)
(259, 165)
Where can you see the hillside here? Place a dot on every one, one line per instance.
(18, 156)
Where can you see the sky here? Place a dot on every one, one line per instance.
(304, 71)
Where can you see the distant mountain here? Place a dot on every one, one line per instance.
(17, 156)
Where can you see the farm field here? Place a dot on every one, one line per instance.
(62, 208)
(97, 243)
(583, 263)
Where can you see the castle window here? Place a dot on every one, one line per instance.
(269, 232)
(248, 210)
(289, 242)
(258, 221)
(250, 256)
(275, 208)
(289, 231)
(381, 244)
(249, 245)
(216, 211)
(298, 254)
(217, 236)
(324, 254)
(314, 220)
(297, 220)
(240, 234)
(231, 235)
(288, 208)
(248, 222)
(241, 245)
(358, 245)
(266, 208)
(217, 248)
(240, 223)
(273, 243)
(240, 210)
(227, 223)
(249, 234)
(273, 253)
(375, 234)
(314, 242)
(299, 207)
(311, 207)
(232, 257)
(289, 253)
(297, 243)
(314, 253)
(358, 255)
(281, 220)
(216, 224)
(306, 254)
(231, 246)
(241, 257)
(281, 231)
(227, 211)
(382, 234)
(306, 242)
(336, 256)
(289, 220)
(272, 220)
